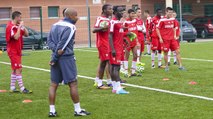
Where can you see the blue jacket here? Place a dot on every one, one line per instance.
(62, 36)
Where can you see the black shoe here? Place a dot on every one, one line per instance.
(51, 114)
(26, 91)
(82, 113)
(168, 63)
(123, 81)
(175, 63)
(134, 74)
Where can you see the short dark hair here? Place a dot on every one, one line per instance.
(104, 7)
(158, 10)
(130, 11)
(168, 8)
(146, 11)
(15, 14)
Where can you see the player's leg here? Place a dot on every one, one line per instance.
(97, 76)
(126, 61)
(159, 59)
(175, 47)
(52, 96)
(166, 46)
(109, 81)
(169, 56)
(175, 57)
(101, 74)
(18, 72)
(134, 59)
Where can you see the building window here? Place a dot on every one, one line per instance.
(208, 9)
(53, 12)
(35, 12)
(5, 13)
(158, 6)
(135, 7)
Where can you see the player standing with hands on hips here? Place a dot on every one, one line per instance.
(61, 41)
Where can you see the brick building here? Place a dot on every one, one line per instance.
(52, 11)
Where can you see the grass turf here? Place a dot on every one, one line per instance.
(139, 104)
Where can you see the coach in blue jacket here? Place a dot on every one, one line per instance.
(63, 65)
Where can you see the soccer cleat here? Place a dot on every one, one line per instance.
(175, 63)
(83, 112)
(102, 87)
(25, 91)
(52, 114)
(109, 85)
(182, 68)
(122, 91)
(14, 91)
(161, 66)
(153, 66)
(134, 74)
(166, 69)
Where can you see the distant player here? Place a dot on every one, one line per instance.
(156, 46)
(178, 36)
(101, 29)
(166, 30)
(116, 49)
(141, 30)
(131, 31)
(148, 31)
(15, 31)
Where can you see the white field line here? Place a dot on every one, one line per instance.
(191, 59)
(131, 85)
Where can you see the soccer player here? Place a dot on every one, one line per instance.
(141, 30)
(130, 29)
(148, 31)
(155, 43)
(116, 49)
(166, 30)
(61, 41)
(15, 31)
(101, 29)
(178, 35)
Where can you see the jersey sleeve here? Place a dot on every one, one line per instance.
(98, 20)
(160, 24)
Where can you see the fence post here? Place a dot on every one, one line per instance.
(41, 29)
(88, 23)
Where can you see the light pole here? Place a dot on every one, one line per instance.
(181, 22)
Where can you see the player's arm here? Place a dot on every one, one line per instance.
(160, 24)
(175, 30)
(95, 30)
(143, 28)
(26, 32)
(67, 37)
(111, 44)
(17, 34)
(50, 42)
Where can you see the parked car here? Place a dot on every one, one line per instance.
(204, 26)
(189, 32)
(33, 41)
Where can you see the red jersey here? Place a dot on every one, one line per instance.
(116, 27)
(177, 27)
(141, 29)
(155, 21)
(166, 27)
(131, 26)
(102, 37)
(13, 45)
(148, 26)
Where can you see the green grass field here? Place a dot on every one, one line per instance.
(139, 104)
